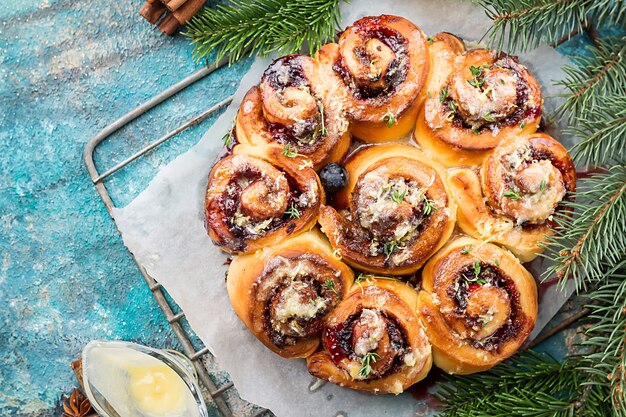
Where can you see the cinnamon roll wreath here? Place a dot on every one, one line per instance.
(475, 112)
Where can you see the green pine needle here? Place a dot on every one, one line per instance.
(534, 21)
(591, 79)
(243, 27)
(603, 132)
(594, 233)
(606, 364)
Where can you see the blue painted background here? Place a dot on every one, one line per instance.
(67, 69)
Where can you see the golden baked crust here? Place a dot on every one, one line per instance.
(478, 305)
(283, 292)
(380, 310)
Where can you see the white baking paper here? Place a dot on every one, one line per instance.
(164, 228)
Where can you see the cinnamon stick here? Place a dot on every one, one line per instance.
(152, 10)
(173, 5)
(173, 20)
(77, 367)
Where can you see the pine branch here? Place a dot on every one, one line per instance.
(602, 131)
(529, 384)
(592, 78)
(607, 338)
(253, 27)
(593, 234)
(521, 25)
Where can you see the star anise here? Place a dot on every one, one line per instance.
(76, 405)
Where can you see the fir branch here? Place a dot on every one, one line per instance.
(602, 131)
(521, 25)
(606, 363)
(593, 235)
(537, 378)
(244, 27)
(592, 78)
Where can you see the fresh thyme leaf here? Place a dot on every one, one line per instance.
(522, 125)
(429, 206)
(390, 247)
(389, 118)
(476, 268)
(542, 185)
(324, 132)
(467, 249)
(228, 138)
(501, 81)
(489, 117)
(366, 367)
(290, 151)
(451, 106)
(512, 195)
(398, 196)
(481, 281)
(293, 212)
(476, 71)
(496, 261)
(443, 94)
(329, 285)
(430, 40)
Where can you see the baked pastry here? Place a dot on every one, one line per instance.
(293, 106)
(521, 185)
(394, 213)
(487, 98)
(478, 305)
(283, 292)
(373, 340)
(383, 63)
(258, 196)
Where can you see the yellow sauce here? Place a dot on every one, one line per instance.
(156, 389)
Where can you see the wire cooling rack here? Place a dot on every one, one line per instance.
(214, 394)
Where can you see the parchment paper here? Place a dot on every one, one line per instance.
(164, 228)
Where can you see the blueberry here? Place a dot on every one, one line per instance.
(334, 177)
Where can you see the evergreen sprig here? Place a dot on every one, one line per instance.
(593, 235)
(606, 364)
(590, 79)
(602, 132)
(529, 381)
(521, 25)
(247, 27)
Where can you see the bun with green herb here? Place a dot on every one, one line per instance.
(294, 106)
(283, 292)
(487, 98)
(382, 62)
(258, 196)
(373, 341)
(394, 213)
(518, 191)
(478, 305)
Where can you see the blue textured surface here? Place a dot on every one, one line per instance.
(68, 68)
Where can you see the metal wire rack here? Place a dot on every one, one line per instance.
(214, 394)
